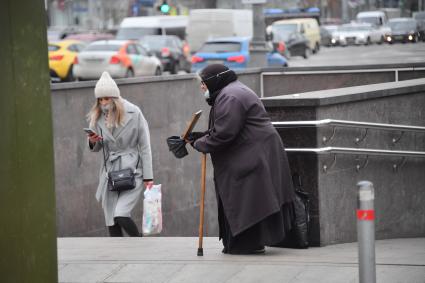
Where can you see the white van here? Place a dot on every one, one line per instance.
(205, 24)
(377, 18)
(137, 27)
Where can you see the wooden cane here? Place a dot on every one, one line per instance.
(201, 209)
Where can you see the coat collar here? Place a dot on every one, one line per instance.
(128, 109)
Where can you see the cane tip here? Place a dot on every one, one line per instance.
(200, 251)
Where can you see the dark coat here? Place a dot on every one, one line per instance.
(251, 171)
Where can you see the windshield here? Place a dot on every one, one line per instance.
(53, 47)
(220, 47)
(402, 26)
(283, 32)
(354, 28)
(103, 47)
(156, 42)
(370, 20)
(136, 33)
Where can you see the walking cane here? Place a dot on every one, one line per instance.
(201, 209)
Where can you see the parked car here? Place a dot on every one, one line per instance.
(170, 51)
(403, 30)
(121, 58)
(356, 34)
(232, 52)
(326, 32)
(308, 27)
(420, 18)
(61, 59)
(378, 19)
(289, 42)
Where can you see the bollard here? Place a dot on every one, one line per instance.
(366, 232)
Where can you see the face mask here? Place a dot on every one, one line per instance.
(207, 94)
(105, 108)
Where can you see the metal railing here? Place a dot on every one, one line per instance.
(355, 151)
(359, 151)
(350, 124)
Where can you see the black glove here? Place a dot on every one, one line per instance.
(193, 136)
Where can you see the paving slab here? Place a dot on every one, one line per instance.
(174, 259)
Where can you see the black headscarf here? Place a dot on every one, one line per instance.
(216, 77)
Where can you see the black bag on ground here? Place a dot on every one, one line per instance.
(177, 146)
(297, 238)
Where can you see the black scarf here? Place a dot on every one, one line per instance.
(216, 77)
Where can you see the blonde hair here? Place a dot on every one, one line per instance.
(115, 117)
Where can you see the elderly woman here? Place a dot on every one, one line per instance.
(121, 132)
(251, 172)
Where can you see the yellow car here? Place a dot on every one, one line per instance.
(61, 58)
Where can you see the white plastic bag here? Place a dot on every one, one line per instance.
(152, 213)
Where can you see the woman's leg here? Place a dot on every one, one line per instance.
(128, 225)
(115, 231)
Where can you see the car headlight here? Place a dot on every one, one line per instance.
(333, 40)
(410, 37)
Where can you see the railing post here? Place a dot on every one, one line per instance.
(366, 232)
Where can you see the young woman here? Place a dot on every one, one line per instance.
(121, 133)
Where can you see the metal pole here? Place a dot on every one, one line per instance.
(344, 11)
(366, 232)
(258, 47)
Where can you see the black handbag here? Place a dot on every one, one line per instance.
(120, 180)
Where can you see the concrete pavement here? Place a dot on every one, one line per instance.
(173, 259)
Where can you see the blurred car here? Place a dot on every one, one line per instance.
(326, 32)
(90, 36)
(356, 34)
(232, 52)
(403, 30)
(170, 51)
(308, 27)
(290, 43)
(61, 59)
(121, 58)
(420, 18)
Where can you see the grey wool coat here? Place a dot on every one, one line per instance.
(123, 146)
(251, 171)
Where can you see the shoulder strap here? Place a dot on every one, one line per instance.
(103, 150)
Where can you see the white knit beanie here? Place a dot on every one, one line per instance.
(106, 87)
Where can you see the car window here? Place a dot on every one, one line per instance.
(53, 47)
(131, 49)
(220, 47)
(80, 47)
(103, 47)
(141, 50)
(73, 48)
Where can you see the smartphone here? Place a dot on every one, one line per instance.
(89, 131)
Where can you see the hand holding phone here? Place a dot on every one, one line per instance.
(93, 137)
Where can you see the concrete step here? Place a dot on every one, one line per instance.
(174, 259)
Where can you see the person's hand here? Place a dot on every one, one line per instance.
(148, 184)
(193, 136)
(94, 138)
